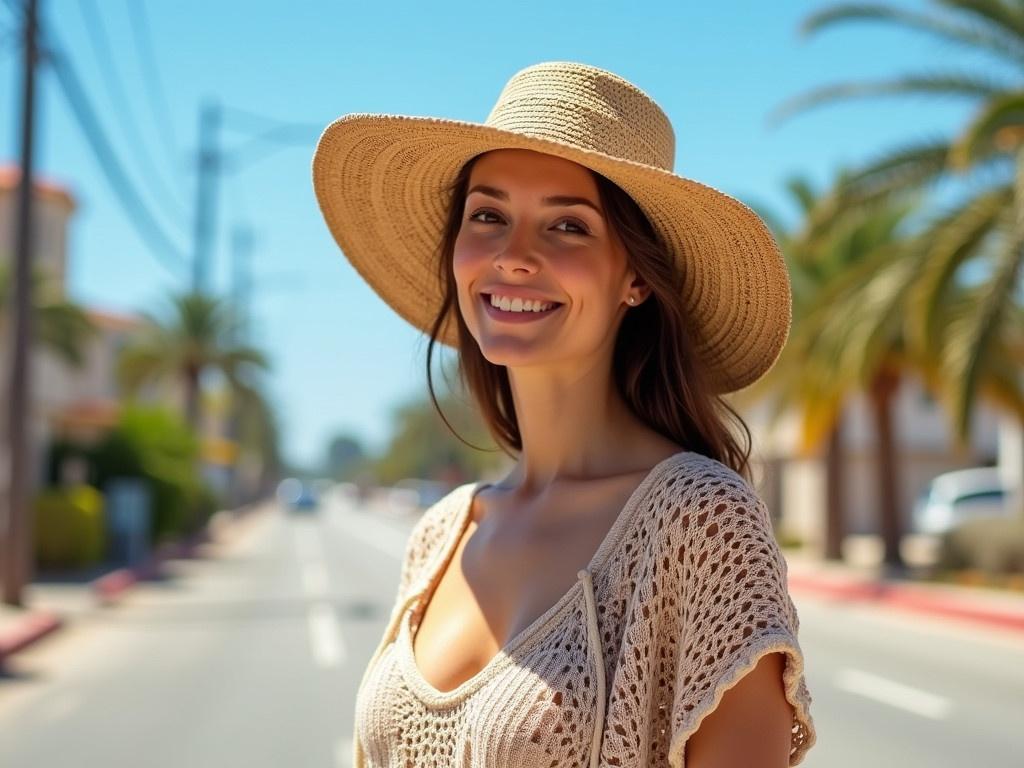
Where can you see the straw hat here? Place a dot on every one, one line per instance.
(379, 182)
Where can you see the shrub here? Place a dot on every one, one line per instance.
(68, 529)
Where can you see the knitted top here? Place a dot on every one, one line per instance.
(685, 594)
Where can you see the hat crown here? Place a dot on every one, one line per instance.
(586, 107)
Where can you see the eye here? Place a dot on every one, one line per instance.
(483, 211)
(582, 230)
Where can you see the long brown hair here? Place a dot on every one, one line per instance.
(655, 365)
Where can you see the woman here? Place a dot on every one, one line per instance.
(619, 599)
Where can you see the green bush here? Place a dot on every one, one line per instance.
(69, 527)
(992, 545)
(156, 444)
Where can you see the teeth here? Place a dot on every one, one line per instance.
(519, 305)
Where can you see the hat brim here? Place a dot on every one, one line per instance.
(379, 181)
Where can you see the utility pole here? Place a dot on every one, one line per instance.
(241, 274)
(17, 555)
(206, 194)
(241, 252)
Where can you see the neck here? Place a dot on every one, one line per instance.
(574, 426)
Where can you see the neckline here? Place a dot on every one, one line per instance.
(506, 654)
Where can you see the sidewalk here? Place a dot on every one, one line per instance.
(868, 583)
(56, 599)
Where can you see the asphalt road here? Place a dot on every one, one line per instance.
(250, 658)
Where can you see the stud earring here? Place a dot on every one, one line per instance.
(631, 300)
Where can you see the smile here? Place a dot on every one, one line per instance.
(509, 316)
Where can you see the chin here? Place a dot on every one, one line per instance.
(513, 352)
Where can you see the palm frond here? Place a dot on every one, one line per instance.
(972, 333)
(947, 243)
(1000, 17)
(998, 40)
(998, 126)
(938, 84)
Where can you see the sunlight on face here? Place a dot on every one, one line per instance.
(515, 237)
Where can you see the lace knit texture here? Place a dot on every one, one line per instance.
(682, 598)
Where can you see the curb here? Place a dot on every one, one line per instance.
(31, 628)
(913, 598)
(109, 588)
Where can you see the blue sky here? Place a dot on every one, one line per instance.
(341, 358)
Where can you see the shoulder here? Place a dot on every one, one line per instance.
(700, 502)
(431, 530)
(699, 482)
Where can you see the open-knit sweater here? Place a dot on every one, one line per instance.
(684, 595)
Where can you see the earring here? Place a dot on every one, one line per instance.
(631, 300)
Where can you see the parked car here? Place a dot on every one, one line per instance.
(954, 497)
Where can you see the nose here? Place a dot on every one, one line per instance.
(516, 256)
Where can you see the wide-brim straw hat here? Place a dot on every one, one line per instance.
(380, 182)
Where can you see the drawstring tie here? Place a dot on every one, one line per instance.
(594, 640)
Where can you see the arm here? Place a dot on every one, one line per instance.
(750, 727)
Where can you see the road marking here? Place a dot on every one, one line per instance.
(314, 579)
(895, 694)
(327, 646)
(307, 542)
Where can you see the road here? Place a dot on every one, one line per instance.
(252, 656)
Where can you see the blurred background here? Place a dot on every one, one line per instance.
(217, 438)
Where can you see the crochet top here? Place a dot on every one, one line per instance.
(684, 595)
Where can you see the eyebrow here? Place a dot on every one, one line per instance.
(551, 200)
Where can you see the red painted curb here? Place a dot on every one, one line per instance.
(29, 629)
(907, 597)
(108, 588)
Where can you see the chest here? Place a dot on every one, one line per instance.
(500, 579)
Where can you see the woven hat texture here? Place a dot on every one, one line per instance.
(379, 180)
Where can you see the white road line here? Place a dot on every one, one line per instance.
(314, 579)
(895, 694)
(381, 536)
(327, 646)
(343, 753)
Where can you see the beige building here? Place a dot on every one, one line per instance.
(77, 402)
(794, 486)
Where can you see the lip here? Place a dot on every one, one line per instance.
(515, 317)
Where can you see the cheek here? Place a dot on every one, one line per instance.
(468, 254)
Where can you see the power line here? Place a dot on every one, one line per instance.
(162, 246)
(145, 224)
(115, 87)
(155, 95)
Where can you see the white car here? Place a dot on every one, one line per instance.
(955, 497)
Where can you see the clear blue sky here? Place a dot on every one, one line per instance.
(341, 358)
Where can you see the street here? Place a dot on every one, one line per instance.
(252, 656)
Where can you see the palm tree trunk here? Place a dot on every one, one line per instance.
(883, 386)
(192, 398)
(834, 484)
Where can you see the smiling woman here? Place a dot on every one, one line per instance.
(619, 598)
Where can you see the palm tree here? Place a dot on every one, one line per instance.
(196, 336)
(60, 326)
(846, 270)
(964, 352)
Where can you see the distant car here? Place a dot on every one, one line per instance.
(955, 497)
(307, 498)
(294, 494)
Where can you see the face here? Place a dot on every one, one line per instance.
(533, 228)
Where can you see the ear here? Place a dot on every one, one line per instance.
(638, 287)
